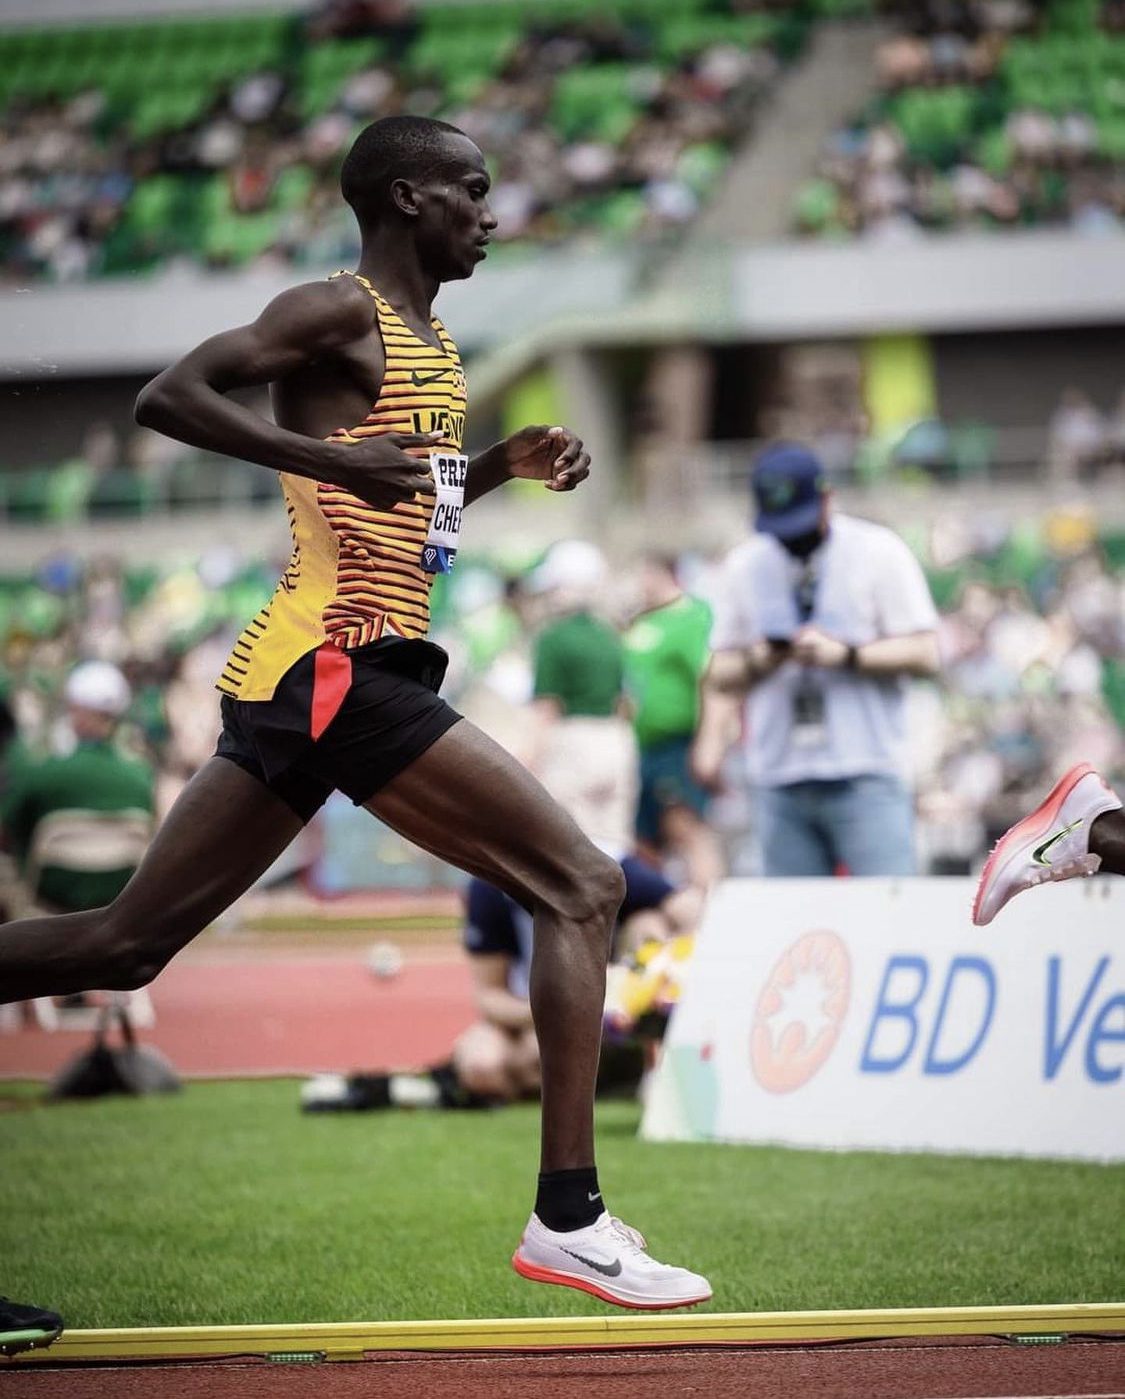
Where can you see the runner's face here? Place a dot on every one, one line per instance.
(455, 222)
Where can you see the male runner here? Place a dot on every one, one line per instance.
(1078, 829)
(333, 685)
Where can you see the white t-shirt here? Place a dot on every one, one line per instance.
(862, 584)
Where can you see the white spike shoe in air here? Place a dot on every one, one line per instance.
(1051, 844)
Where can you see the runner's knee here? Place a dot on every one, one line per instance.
(593, 891)
(130, 955)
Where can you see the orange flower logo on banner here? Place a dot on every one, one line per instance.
(799, 1014)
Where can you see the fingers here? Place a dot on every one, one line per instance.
(412, 439)
(573, 474)
(571, 446)
(572, 464)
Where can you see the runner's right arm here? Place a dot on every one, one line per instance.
(309, 323)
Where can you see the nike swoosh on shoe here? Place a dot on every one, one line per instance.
(1040, 851)
(609, 1270)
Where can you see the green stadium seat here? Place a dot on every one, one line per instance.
(595, 102)
(293, 187)
(816, 206)
(993, 151)
(455, 53)
(29, 496)
(691, 33)
(1111, 138)
(239, 237)
(119, 493)
(701, 165)
(470, 18)
(620, 214)
(151, 207)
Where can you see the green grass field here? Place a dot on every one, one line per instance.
(224, 1205)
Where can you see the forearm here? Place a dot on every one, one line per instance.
(487, 470)
(898, 655)
(186, 407)
(501, 1008)
(720, 714)
(735, 673)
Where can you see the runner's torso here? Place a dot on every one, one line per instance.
(356, 573)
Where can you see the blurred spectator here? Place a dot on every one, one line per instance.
(665, 657)
(1077, 437)
(584, 752)
(79, 823)
(823, 619)
(496, 1060)
(1022, 129)
(88, 186)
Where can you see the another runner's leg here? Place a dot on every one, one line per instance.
(468, 801)
(225, 830)
(1107, 841)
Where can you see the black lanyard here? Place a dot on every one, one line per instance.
(805, 591)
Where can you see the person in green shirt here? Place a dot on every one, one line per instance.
(109, 796)
(584, 752)
(665, 657)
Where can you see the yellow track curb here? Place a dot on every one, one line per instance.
(352, 1340)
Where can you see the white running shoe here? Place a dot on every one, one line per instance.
(1053, 843)
(608, 1260)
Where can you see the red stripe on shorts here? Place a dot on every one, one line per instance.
(332, 675)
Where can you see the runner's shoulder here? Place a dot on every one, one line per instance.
(335, 310)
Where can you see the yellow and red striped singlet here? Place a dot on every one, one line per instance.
(355, 574)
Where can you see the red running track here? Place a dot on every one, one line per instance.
(905, 1370)
(240, 1015)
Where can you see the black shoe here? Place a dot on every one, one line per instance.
(23, 1327)
(346, 1093)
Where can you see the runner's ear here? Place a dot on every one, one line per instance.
(404, 198)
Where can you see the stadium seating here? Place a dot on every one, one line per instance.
(135, 188)
(994, 128)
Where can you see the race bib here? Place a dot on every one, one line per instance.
(440, 548)
(810, 729)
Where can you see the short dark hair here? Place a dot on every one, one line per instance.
(393, 148)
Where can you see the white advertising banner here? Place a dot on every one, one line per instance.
(870, 1013)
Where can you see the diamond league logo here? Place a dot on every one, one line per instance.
(800, 1012)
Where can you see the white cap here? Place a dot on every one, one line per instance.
(571, 564)
(99, 686)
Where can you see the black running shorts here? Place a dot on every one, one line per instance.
(340, 719)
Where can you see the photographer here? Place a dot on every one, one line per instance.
(822, 620)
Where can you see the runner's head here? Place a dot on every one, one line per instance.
(430, 179)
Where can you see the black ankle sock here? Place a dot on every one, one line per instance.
(569, 1199)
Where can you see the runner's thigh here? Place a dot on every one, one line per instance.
(225, 829)
(470, 802)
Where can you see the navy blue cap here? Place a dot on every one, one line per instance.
(788, 482)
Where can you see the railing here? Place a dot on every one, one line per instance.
(969, 452)
(72, 494)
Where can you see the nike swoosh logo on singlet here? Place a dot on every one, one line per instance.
(609, 1270)
(421, 380)
(1040, 852)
